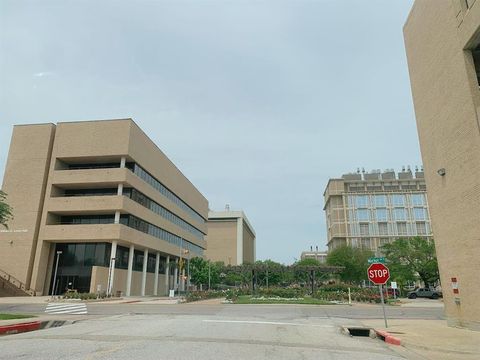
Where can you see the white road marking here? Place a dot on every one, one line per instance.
(61, 308)
(263, 323)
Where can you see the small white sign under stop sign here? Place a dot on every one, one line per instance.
(393, 284)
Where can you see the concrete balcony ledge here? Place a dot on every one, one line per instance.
(97, 204)
(111, 176)
(81, 233)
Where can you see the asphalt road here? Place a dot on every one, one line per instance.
(326, 311)
(195, 331)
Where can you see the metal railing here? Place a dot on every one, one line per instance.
(16, 283)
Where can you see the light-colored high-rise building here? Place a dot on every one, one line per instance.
(371, 209)
(320, 256)
(442, 40)
(102, 201)
(231, 238)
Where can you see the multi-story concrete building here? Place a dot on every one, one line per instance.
(442, 41)
(371, 209)
(320, 256)
(100, 199)
(231, 238)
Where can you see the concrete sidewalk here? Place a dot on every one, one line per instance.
(432, 339)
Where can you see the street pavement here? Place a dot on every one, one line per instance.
(158, 328)
(358, 311)
(194, 331)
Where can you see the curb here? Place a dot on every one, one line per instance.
(19, 328)
(31, 326)
(388, 338)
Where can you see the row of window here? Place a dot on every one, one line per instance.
(121, 260)
(135, 223)
(385, 200)
(419, 228)
(384, 214)
(145, 201)
(91, 192)
(143, 174)
(142, 200)
(147, 177)
(143, 226)
(80, 255)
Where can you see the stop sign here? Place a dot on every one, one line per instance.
(378, 273)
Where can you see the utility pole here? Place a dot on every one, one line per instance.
(208, 275)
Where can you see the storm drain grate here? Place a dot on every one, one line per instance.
(355, 331)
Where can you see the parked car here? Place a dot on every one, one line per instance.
(424, 293)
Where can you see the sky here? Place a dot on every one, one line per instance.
(258, 103)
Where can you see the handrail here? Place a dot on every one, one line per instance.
(15, 282)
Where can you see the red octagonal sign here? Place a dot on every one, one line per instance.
(378, 273)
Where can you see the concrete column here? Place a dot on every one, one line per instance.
(123, 161)
(155, 281)
(144, 273)
(175, 276)
(120, 189)
(117, 217)
(111, 270)
(167, 275)
(130, 270)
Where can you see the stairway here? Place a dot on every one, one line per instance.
(11, 286)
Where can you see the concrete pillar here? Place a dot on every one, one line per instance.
(111, 270)
(155, 281)
(123, 161)
(167, 275)
(117, 217)
(120, 190)
(144, 273)
(175, 276)
(130, 270)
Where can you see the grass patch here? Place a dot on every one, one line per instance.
(249, 299)
(14, 316)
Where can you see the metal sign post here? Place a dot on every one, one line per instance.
(383, 304)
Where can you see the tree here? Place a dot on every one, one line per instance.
(271, 269)
(5, 210)
(354, 260)
(412, 258)
(199, 269)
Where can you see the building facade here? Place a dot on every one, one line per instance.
(231, 238)
(102, 201)
(442, 40)
(371, 209)
(320, 256)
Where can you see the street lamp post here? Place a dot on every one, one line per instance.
(56, 271)
(209, 275)
(187, 252)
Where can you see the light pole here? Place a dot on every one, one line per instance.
(187, 252)
(59, 252)
(208, 275)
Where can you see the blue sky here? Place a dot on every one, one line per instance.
(258, 103)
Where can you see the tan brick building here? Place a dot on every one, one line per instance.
(442, 41)
(368, 210)
(231, 238)
(102, 199)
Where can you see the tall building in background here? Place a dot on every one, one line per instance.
(231, 238)
(442, 41)
(320, 256)
(102, 200)
(371, 209)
